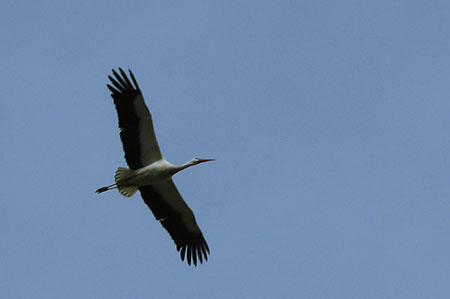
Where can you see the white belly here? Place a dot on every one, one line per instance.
(156, 172)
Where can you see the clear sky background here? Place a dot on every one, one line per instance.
(329, 120)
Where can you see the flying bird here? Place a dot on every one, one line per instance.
(150, 173)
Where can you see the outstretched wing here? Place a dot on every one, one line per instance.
(177, 218)
(135, 121)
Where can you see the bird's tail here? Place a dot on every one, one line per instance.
(122, 174)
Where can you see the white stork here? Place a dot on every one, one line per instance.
(150, 173)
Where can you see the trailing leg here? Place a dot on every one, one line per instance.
(106, 188)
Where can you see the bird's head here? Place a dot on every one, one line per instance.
(196, 160)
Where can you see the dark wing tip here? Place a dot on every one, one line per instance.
(205, 251)
(189, 255)
(194, 255)
(112, 89)
(121, 82)
(115, 75)
(193, 252)
(200, 255)
(182, 252)
(124, 76)
(134, 80)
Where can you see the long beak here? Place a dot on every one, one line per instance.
(205, 160)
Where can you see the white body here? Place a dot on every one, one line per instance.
(154, 173)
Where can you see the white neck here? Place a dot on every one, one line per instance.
(178, 168)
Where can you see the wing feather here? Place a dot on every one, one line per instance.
(177, 218)
(135, 121)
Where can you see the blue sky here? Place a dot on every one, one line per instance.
(329, 122)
